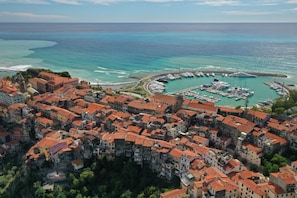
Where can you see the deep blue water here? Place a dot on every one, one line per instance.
(112, 52)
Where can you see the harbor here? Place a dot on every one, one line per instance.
(222, 88)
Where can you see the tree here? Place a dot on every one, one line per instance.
(126, 194)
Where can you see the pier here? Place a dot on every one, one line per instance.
(191, 93)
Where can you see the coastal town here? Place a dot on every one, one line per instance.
(214, 151)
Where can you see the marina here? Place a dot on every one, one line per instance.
(222, 88)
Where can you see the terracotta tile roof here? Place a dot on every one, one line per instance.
(214, 171)
(257, 189)
(156, 119)
(203, 107)
(239, 123)
(230, 110)
(16, 106)
(134, 129)
(246, 174)
(175, 152)
(276, 189)
(252, 147)
(165, 144)
(81, 103)
(44, 120)
(184, 140)
(199, 140)
(217, 186)
(148, 142)
(142, 105)
(120, 136)
(287, 177)
(171, 100)
(276, 139)
(175, 117)
(277, 126)
(139, 140)
(105, 100)
(176, 193)
(131, 137)
(258, 114)
(190, 154)
(145, 117)
(76, 109)
(201, 150)
(93, 108)
(186, 112)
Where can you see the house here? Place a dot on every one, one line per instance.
(286, 179)
(257, 117)
(251, 153)
(77, 164)
(236, 127)
(250, 184)
(175, 156)
(224, 111)
(200, 140)
(174, 102)
(10, 96)
(142, 106)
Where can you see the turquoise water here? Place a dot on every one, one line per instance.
(110, 53)
(261, 91)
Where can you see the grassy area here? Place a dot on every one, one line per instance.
(136, 88)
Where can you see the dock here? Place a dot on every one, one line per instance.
(189, 92)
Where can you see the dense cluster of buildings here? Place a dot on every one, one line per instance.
(174, 136)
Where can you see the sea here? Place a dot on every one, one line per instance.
(114, 52)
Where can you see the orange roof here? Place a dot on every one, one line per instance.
(134, 129)
(183, 140)
(201, 150)
(217, 186)
(214, 171)
(199, 140)
(131, 137)
(275, 189)
(148, 142)
(175, 152)
(258, 189)
(240, 123)
(152, 106)
(190, 154)
(258, 114)
(276, 138)
(203, 107)
(93, 108)
(251, 147)
(187, 112)
(176, 193)
(164, 144)
(167, 99)
(277, 126)
(246, 174)
(120, 136)
(44, 120)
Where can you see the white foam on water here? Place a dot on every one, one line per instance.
(102, 68)
(103, 72)
(16, 68)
